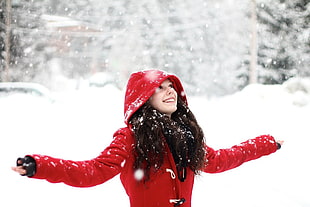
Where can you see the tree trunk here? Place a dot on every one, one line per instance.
(253, 45)
(7, 40)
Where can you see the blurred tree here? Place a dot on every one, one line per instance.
(2, 38)
(284, 40)
(195, 39)
(205, 42)
(6, 53)
(198, 40)
(26, 40)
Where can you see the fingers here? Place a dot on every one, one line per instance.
(19, 167)
(280, 142)
(25, 166)
(20, 170)
(19, 162)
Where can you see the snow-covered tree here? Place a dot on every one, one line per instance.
(284, 39)
(206, 43)
(27, 42)
(8, 41)
(2, 36)
(203, 42)
(200, 41)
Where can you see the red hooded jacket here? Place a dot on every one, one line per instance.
(163, 189)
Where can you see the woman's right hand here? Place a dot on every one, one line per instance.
(25, 166)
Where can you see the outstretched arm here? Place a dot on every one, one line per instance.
(81, 173)
(226, 159)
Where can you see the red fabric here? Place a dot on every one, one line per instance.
(118, 157)
(141, 86)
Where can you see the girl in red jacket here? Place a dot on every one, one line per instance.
(157, 154)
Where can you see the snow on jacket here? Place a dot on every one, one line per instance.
(163, 189)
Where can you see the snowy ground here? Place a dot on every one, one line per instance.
(79, 124)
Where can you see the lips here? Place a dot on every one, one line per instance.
(169, 100)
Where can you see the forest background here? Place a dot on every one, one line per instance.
(208, 43)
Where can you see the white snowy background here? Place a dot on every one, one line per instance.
(80, 124)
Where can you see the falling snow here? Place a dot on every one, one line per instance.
(80, 124)
(139, 174)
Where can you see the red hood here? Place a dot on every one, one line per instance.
(141, 86)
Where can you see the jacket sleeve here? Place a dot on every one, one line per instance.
(86, 173)
(226, 159)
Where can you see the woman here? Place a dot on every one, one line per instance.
(158, 152)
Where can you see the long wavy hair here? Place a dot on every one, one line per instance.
(154, 130)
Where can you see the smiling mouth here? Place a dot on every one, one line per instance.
(169, 100)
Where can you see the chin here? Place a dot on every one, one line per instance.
(173, 110)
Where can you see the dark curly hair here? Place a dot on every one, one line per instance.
(154, 131)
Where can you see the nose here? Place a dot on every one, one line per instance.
(170, 90)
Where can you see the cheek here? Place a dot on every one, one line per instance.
(154, 101)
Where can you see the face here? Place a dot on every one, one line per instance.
(165, 98)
